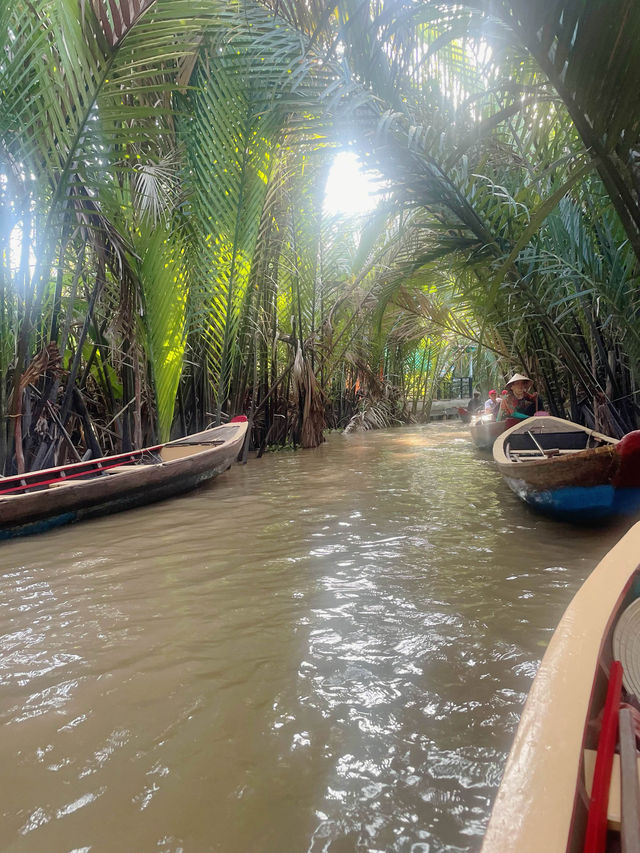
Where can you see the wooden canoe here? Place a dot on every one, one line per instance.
(40, 500)
(568, 471)
(484, 433)
(547, 791)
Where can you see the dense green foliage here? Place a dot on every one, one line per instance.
(165, 260)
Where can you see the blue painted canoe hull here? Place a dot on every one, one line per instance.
(580, 503)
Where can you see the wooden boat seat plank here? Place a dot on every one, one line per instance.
(184, 443)
(630, 794)
(615, 795)
(536, 454)
(180, 451)
(71, 482)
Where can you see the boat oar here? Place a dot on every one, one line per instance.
(533, 439)
(596, 834)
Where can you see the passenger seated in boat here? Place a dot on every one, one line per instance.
(492, 405)
(474, 403)
(518, 401)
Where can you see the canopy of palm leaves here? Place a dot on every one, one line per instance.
(162, 166)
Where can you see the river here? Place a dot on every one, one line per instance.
(321, 651)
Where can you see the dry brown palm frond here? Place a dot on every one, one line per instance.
(312, 401)
(378, 415)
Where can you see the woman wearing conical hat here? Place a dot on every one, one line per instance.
(518, 402)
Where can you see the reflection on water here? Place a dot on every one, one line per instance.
(322, 651)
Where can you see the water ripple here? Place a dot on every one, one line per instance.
(324, 651)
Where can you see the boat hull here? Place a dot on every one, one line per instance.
(583, 486)
(484, 434)
(123, 488)
(579, 504)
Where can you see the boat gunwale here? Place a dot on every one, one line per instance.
(29, 489)
(546, 760)
(501, 459)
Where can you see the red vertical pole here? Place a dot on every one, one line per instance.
(597, 819)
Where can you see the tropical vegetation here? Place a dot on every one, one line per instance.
(166, 260)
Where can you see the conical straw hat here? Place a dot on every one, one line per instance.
(518, 377)
(626, 646)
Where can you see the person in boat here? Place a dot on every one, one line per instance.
(474, 403)
(518, 401)
(492, 405)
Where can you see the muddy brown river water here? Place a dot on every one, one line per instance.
(323, 651)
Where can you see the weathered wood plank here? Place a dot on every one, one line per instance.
(630, 829)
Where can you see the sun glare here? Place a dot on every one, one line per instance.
(15, 251)
(349, 190)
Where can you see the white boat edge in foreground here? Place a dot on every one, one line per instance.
(533, 811)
